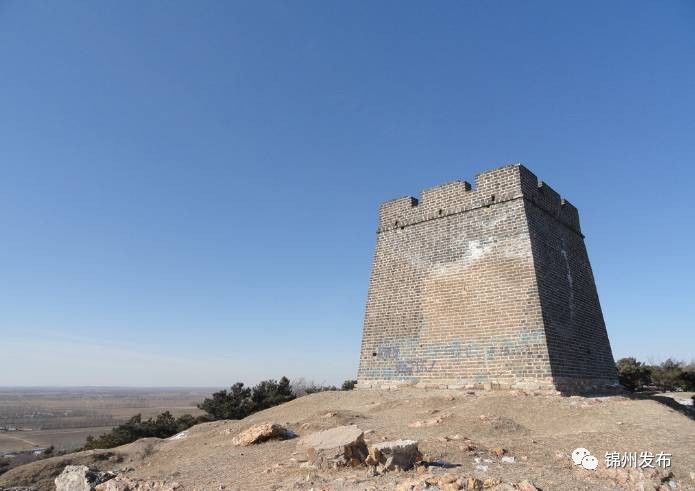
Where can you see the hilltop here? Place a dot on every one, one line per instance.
(459, 432)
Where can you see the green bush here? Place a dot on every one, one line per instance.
(270, 393)
(301, 387)
(240, 401)
(348, 385)
(162, 426)
(669, 375)
(4, 465)
(235, 404)
(689, 376)
(313, 388)
(632, 373)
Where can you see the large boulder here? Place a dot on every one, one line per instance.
(395, 455)
(338, 447)
(261, 433)
(121, 483)
(80, 478)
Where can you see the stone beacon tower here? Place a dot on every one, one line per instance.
(484, 288)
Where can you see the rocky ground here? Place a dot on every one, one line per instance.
(468, 440)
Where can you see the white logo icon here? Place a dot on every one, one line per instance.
(581, 456)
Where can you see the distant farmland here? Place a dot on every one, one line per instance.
(64, 417)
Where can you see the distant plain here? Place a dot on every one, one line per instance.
(64, 417)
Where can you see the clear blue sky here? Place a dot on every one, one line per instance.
(188, 190)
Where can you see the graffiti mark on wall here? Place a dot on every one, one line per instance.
(388, 352)
(418, 365)
(411, 357)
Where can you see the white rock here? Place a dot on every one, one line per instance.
(179, 436)
(80, 478)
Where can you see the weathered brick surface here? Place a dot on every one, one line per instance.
(484, 287)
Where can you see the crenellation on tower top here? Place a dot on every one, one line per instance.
(507, 179)
(569, 215)
(549, 193)
(396, 212)
(492, 187)
(445, 197)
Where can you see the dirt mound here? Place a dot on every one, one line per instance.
(537, 432)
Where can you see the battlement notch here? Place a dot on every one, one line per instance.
(505, 183)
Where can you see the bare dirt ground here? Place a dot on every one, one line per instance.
(457, 432)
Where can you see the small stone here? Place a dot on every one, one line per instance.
(445, 482)
(473, 483)
(498, 451)
(338, 447)
(507, 459)
(261, 433)
(121, 483)
(428, 422)
(408, 485)
(491, 482)
(448, 478)
(395, 455)
(526, 485)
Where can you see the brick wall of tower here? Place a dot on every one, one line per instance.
(454, 295)
(578, 345)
